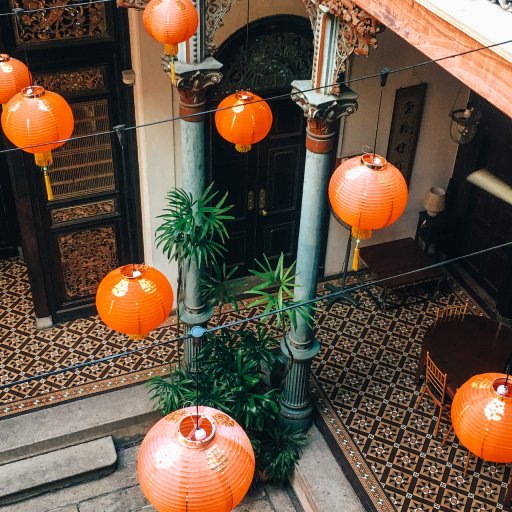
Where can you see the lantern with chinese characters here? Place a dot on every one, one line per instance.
(366, 192)
(482, 416)
(14, 76)
(134, 299)
(243, 118)
(171, 22)
(198, 460)
(38, 121)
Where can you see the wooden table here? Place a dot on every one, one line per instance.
(465, 347)
(391, 259)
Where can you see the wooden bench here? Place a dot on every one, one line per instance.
(390, 260)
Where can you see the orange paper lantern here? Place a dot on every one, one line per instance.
(482, 416)
(170, 22)
(14, 76)
(134, 299)
(366, 192)
(247, 121)
(206, 467)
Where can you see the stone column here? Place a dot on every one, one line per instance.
(192, 81)
(322, 112)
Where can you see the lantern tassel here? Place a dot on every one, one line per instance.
(243, 148)
(171, 50)
(48, 185)
(355, 261)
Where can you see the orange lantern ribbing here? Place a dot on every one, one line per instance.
(38, 118)
(366, 192)
(482, 416)
(203, 468)
(171, 22)
(134, 299)
(247, 121)
(14, 76)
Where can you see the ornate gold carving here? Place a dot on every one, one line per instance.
(38, 25)
(215, 11)
(86, 257)
(192, 86)
(72, 82)
(136, 4)
(83, 211)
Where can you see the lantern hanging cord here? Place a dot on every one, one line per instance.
(236, 323)
(272, 98)
(384, 72)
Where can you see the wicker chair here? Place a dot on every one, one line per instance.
(435, 386)
(451, 312)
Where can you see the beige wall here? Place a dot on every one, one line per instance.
(435, 151)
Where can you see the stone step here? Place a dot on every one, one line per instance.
(29, 477)
(125, 414)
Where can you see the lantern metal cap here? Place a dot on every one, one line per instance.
(244, 95)
(133, 270)
(196, 431)
(32, 91)
(4, 57)
(373, 161)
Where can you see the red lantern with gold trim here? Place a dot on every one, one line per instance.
(195, 463)
(134, 299)
(41, 119)
(482, 416)
(14, 76)
(366, 192)
(171, 22)
(243, 118)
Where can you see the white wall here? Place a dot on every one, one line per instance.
(435, 151)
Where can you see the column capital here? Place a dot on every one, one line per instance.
(192, 82)
(321, 111)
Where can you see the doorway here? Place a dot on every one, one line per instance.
(265, 184)
(10, 240)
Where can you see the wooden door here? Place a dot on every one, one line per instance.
(265, 184)
(92, 224)
(485, 220)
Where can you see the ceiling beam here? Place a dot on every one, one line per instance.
(485, 72)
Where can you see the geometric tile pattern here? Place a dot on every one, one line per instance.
(365, 395)
(26, 351)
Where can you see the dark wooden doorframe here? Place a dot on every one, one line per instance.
(268, 74)
(110, 52)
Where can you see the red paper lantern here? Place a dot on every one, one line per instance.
(366, 192)
(247, 121)
(482, 416)
(206, 467)
(14, 76)
(134, 299)
(170, 22)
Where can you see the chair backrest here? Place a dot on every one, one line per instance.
(435, 381)
(451, 312)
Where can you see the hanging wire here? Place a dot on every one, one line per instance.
(384, 72)
(276, 97)
(235, 323)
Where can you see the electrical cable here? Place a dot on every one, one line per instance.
(272, 98)
(236, 323)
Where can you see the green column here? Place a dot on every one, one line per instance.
(321, 111)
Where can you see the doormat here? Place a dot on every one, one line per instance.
(363, 389)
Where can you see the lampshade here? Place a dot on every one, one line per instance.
(434, 201)
(170, 22)
(482, 416)
(134, 299)
(464, 122)
(203, 469)
(367, 193)
(14, 76)
(39, 118)
(247, 121)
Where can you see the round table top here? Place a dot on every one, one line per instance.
(468, 346)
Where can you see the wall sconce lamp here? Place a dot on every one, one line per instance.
(464, 124)
(434, 201)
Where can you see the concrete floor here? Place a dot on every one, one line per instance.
(120, 492)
